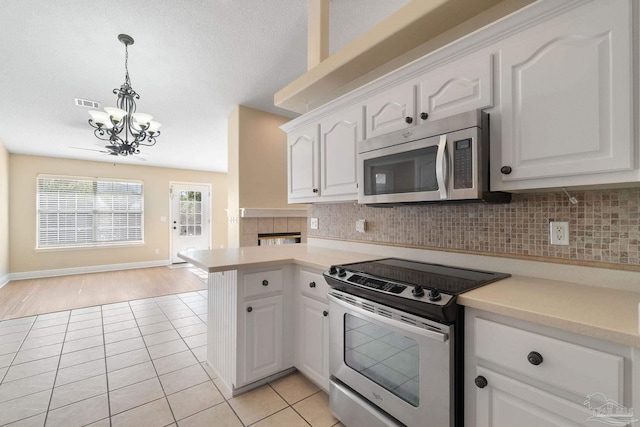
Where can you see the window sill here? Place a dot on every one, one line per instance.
(85, 247)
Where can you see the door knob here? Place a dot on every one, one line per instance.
(408, 120)
(265, 283)
(325, 313)
(312, 284)
(249, 309)
(506, 170)
(424, 116)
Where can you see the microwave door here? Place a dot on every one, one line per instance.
(401, 173)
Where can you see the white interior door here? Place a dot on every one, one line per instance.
(190, 218)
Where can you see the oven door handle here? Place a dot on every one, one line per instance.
(441, 167)
(427, 333)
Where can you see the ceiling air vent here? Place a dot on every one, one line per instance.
(86, 103)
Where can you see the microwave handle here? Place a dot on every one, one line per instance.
(441, 167)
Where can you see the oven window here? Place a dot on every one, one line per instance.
(385, 357)
(406, 172)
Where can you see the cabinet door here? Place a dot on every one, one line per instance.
(463, 85)
(339, 135)
(302, 163)
(263, 338)
(313, 341)
(391, 110)
(506, 402)
(566, 99)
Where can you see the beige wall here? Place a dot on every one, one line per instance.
(263, 159)
(22, 212)
(4, 213)
(257, 164)
(233, 177)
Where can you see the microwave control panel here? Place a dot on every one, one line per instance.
(462, 164)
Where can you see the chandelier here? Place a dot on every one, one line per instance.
(125, 129)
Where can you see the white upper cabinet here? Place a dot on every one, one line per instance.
(463, 85)
(391, 110)
(566, 101)
(302, 163)
(339, 135)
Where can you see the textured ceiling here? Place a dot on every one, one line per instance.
(192, 63)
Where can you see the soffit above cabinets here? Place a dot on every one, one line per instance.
(418, 28)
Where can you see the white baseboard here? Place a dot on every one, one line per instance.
(84, 270)
(4, 280)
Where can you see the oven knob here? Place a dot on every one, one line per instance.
(434, 295)
(342, 272)
(417, 291)
(333, 269)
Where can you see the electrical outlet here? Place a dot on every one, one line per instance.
(361, 225)
(313, 223)
(559, 233)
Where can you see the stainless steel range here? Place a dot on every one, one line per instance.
(396, 353)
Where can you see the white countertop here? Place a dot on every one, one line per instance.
(263, 256)
(607, 314)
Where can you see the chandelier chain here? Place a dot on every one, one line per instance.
(126, 64)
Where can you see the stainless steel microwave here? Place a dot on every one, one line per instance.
(444, 160)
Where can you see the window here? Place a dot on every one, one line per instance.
(77, 212)
(190, 213)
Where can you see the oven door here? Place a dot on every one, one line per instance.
(396, 362)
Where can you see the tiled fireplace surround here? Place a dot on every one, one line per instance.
(604, 227)
(251, 227)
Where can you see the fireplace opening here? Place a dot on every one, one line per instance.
(270, 239)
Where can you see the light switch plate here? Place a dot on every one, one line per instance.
(361, 225)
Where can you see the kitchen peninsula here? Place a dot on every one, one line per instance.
(254, 293)
(252, 317)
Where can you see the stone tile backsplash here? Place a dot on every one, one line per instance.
(604, 227)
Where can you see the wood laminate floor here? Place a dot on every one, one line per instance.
(20, 298)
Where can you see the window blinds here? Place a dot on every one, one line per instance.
(88, 212)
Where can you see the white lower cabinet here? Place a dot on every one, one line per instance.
(263, 337)
(312, 327)
(523, 374)
(313, 341)
(507, 402)
(250, 332)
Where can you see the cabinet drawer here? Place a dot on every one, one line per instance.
(313, 285)
(264, 282)
(567, 366)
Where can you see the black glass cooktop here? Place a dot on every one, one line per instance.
(451, 280)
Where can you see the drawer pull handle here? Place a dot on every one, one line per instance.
(249, 309)
(535, 358)
(481, 382)
(312, 284)
(265, 283)
(325, 313)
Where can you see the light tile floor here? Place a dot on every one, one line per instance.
(135, 363)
